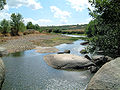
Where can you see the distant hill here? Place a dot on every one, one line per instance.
(66, 27)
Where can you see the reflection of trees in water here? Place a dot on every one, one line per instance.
(17, 54)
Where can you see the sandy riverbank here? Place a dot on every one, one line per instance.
(27, 42)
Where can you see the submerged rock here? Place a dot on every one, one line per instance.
(2, 73)
(46, 49)
(3, 51)
(107, 77)
(66, 61)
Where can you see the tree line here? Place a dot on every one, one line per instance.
(104, 29)
(16, 25)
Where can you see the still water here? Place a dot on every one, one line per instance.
(28, 71)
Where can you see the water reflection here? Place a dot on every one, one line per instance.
(17, 54)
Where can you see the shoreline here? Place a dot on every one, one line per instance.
(31, 41)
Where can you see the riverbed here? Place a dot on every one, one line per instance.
(27, 71)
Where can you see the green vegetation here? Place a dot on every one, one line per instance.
(16, 23)
(14, 26)
(2, 3)
(5, 26)
(104, 30)
(66, 29)
(30, 25)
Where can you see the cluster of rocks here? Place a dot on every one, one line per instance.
(107, 68)
(107, 77)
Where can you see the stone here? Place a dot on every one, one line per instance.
(67, 61)
(2, 73)
(66, 51)
(88, 57)
(3, 51)
(46, 49)
(84, 43)
(107, 77)
(93, 69)
(83, 51)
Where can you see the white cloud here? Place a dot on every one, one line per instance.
(87, 21)
(79, 5)
(4, 15)
(62, 15)
(41, 22)
(29, 3)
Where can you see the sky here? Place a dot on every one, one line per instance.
(49, 12)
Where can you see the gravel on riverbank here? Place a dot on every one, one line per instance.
(27, 42)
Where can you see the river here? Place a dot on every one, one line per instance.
(28, 71)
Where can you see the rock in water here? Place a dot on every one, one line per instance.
(107, 77)
(66, 51)
(66, 61)
(3, 51)
(2, 73)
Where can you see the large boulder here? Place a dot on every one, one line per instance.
(46, 49)
(107, 77)
(2, 73)
(3, 51)
(67, 61)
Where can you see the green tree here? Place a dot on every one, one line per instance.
(22, 27)
(2, 3)
(36, 27)
(107, 15)
(16, 20)
(5, 26)
(30, 25)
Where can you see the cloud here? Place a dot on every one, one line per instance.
(18, 3)
(41, 22)
(87, 21)
(62, 15)
(79, 5)
(4, 15)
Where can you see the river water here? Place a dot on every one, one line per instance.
(28, 71)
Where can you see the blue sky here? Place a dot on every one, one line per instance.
(49, 12)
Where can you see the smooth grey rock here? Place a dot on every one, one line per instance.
(3, 51)
(107, 77)
(2, 73)
(66, 61)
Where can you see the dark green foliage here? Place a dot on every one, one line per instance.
(56, 30)
(2, 3)
(106, 26)
(16, 23)
(36, 27)
(30, 25)
(5, 26)
(22, 27)
(62, 29)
